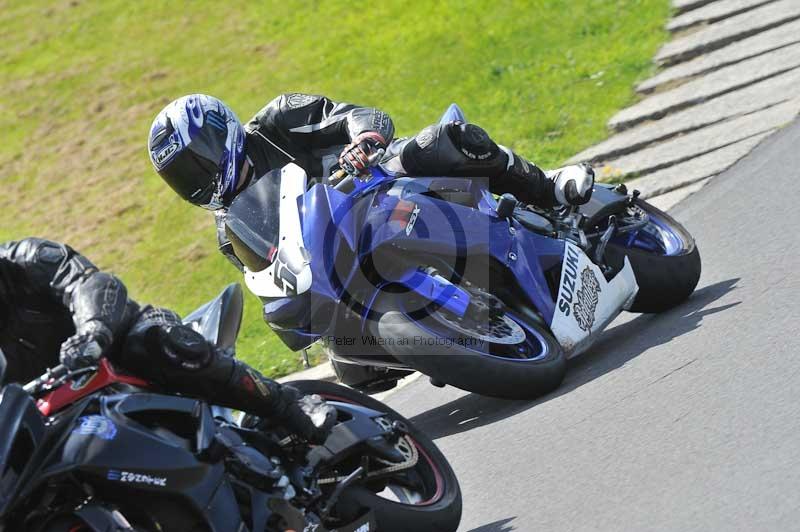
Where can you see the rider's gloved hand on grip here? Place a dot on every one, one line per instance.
(573, 184)
(85, 348)
(310, 417)
(355, 156)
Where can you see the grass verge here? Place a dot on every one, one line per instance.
(82, 81)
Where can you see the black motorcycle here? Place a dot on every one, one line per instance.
(98, 450)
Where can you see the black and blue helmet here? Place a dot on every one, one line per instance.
(196, 145)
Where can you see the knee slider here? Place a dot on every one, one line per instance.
(472, 141)
(184, 347)
(159, 335)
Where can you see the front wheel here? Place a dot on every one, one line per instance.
(663, 255)
(423, 498)
(498, 354)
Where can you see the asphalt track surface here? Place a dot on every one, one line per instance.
(688, 420)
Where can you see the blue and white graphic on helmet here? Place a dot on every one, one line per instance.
(192, 119)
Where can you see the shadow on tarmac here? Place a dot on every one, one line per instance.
(613, 349)
(498, 526)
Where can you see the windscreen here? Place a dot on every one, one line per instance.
(252, 223)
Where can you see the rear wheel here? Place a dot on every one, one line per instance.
(663, 255)
(491, 350)
(420, 498)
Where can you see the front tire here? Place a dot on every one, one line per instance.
(665, 260)
(441, 513)
(529, 368)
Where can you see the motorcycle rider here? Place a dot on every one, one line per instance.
(199, 147)
(56, 305)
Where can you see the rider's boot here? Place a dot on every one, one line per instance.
(526, 181)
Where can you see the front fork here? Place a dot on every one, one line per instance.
(600, 250)
(431, 285)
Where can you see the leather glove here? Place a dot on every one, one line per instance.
(309, 417)
(83, 349)
(573, 184)
(355, 156)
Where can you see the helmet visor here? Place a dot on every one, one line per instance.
(195, 178)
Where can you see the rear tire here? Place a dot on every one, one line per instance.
(664, 280)
(442, 515)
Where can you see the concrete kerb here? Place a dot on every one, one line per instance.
(713, 12)
(728, 30)
(759, 44)
(718, 83)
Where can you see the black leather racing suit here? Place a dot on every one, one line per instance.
(311, 131)
(48, 292)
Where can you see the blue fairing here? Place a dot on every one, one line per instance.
(329, 225)
(360, 225)
(666, 242)
(359, 242)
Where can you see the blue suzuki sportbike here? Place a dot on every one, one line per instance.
(435, 274)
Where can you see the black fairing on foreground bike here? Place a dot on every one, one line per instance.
(106, 450)
(357, 426)
(22, 430)
(604, 202)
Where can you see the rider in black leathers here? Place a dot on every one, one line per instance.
(56, 305)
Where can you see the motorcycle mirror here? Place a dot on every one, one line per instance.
(3, 365)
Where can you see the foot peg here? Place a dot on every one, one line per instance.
(599, 254)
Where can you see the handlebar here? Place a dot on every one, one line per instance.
(337, 176)
(341, 178)
(53, 374)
